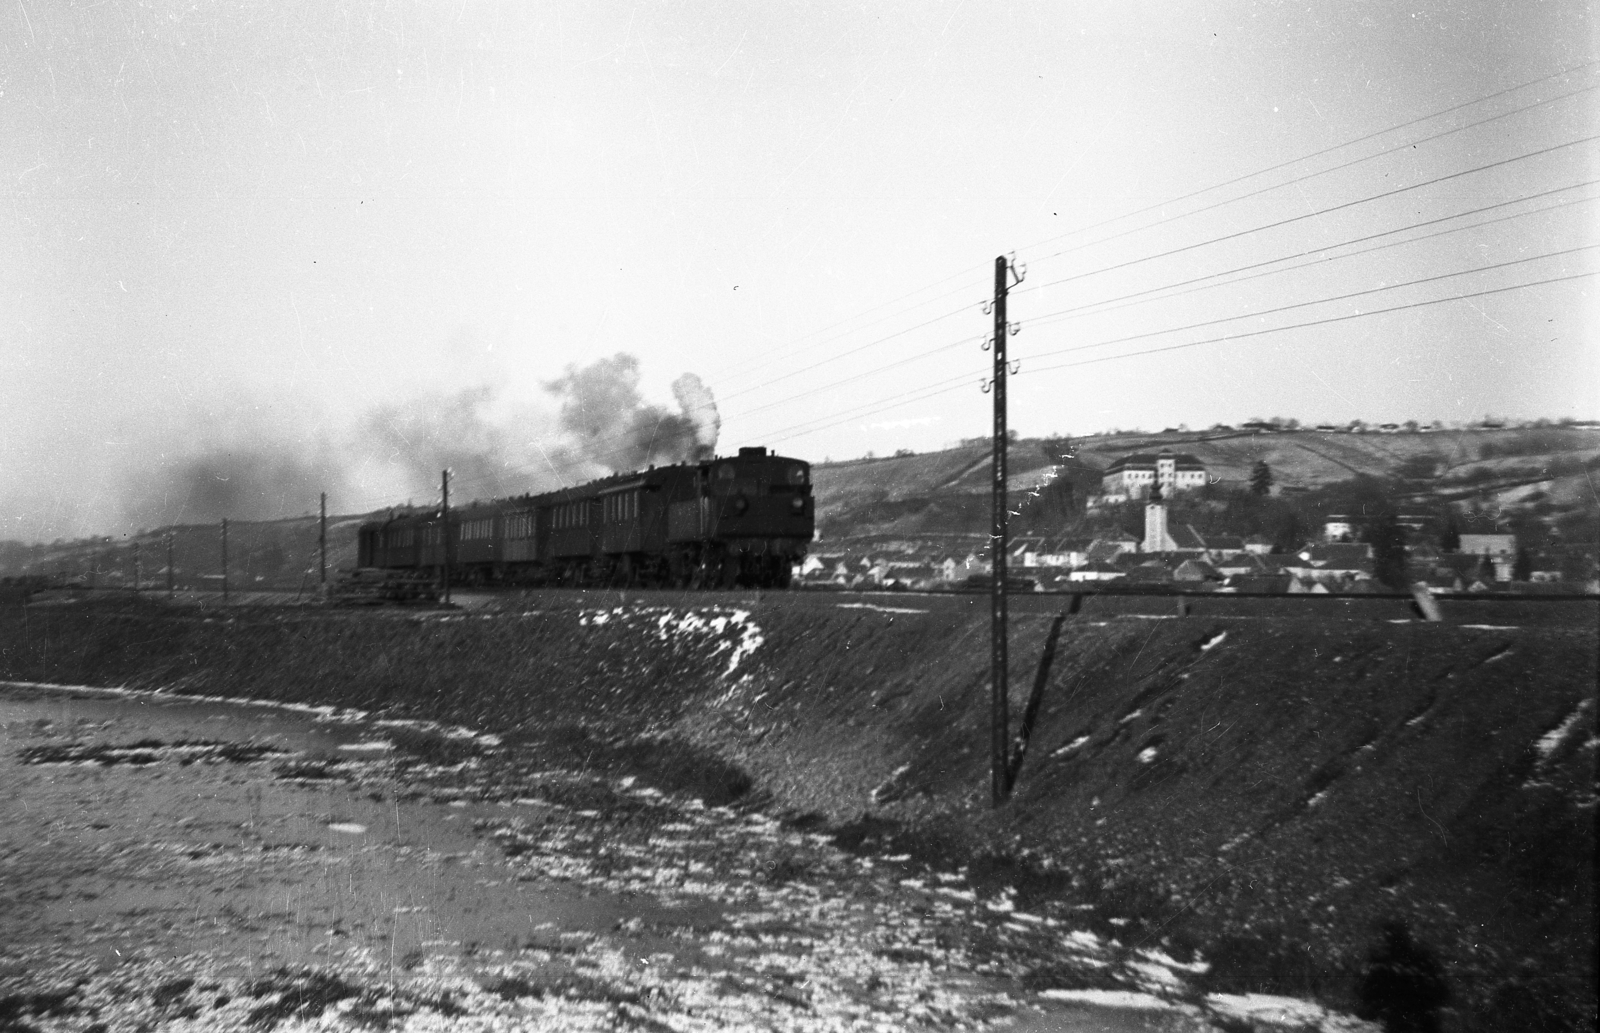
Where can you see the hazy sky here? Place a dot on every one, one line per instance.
(288, 245)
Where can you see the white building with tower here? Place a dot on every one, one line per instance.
(1132, 477)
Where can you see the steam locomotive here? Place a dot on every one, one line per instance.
(738, 521)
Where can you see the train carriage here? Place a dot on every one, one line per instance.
(740, 520)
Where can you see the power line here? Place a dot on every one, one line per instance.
(1325, 211)
(1282, 165)
(945, 347)
(945, 294)
(1318, 301)
(1315, 154)
(1111, 304)
(1309, 175)
(856, 350)
(945, 387)
(853, 351)
(1319, 322)
(1168, 287)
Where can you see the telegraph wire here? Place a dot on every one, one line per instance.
(1300, 179)
(1235, 235)
(741, 367)
(860, 348)
(936, 389)
(1057, 316)
(1112, 304)
(1317, 301)
(738, 367)
(1325, 211)
(1320, 322)
(1308, 157)
(1401, 146)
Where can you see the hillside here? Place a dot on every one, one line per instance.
(280, 555)
(1545, 472)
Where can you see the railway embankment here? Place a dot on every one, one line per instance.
(1264, 791)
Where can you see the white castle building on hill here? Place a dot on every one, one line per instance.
(1133, 476)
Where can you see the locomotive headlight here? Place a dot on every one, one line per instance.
(797, 474)
(798, 504)
(741, 504)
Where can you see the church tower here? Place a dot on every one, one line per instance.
(1156, 538)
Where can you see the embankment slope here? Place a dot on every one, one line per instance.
(1265, 789)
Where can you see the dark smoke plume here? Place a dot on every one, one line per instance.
(252, 461)
(488, 453)
(610, 425)
(242, 464)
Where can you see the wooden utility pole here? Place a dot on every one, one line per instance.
(999, 718)
(224, 561)
(322, 540)
(444, 491)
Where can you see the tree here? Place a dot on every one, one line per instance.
(1388, 540)
(1450, 537)
(1261, 478)
(1522, 566)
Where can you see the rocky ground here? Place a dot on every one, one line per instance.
(1208, 808)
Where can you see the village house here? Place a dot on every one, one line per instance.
(1500, 549)
(1096, 570)
(1195, 570)
(1250, 564)
(1057, 552)
(1334, 561)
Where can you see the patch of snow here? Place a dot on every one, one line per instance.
(1111, 999)
(1549, 741)
(1129, 717)
(367, 746)
(1317, 799)
(1493, 627)
(1069, 747)
(1215, 640)
(1156, 975)
(1235, 841)
(1198, 966)
(875, 606)
(1267, 1008)
(348, 827)
(1147, 755)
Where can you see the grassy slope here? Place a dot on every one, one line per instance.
(1308, 778)
(891, 494)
